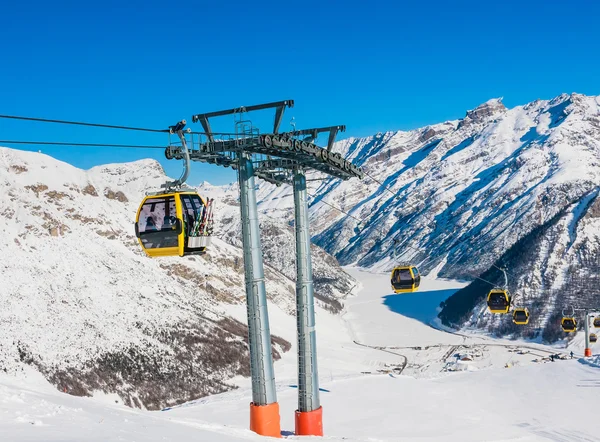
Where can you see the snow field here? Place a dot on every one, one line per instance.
(530, 402)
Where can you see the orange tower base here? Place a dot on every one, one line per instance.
(588, 352)
(309, 423)
(264, 419)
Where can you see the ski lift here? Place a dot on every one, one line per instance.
(405, 279)
(593, 337)
(568, 322)
(597, 322)
(569, 325)
(499, 299)
(521, 316)
(176, 221)
(174, 224)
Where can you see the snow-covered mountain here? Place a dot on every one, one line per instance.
(84, 305)
(278, 241)
(513, 186)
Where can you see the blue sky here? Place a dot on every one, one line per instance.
(373, 66)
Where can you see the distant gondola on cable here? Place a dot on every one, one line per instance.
(498, 301)
(521, 316)
(593, 337)
(597, 322)
(176, 221)
(569, 324)
(405, 279)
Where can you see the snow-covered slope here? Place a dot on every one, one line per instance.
(331, 282)
(517, 186)
(536, 403)
(364, 397)
(83, 304)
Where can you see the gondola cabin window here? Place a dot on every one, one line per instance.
(402, 275)
(157, 223)
(417, 274)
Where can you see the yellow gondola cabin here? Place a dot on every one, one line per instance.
(498, 301)
(521, 316)
(405, 279)
(174, 224)
(569, 324)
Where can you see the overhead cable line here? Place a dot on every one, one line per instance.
(506, 270)
(334, 207)
(61, 143)
(107, 126)
(386, 188)
(81, 123)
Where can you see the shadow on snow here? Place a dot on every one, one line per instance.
(422, 306)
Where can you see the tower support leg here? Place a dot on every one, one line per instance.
(309, 415)
(588, 346)
(264, 409)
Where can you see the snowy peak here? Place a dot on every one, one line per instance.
(484, 112)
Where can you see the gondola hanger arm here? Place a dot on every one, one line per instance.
(178, 129)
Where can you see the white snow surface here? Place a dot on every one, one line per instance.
(72, 296)
(363, 397)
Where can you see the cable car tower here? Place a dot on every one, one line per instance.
(590, 315)
(278, 158)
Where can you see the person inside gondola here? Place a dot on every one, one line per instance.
(168, 223)
(150, 225)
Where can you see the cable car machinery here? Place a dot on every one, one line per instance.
(520, 314)
(277, 158)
